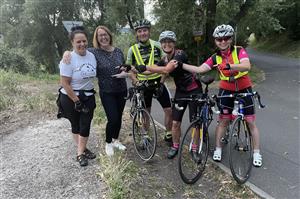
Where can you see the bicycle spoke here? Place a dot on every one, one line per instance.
(240, 151)
(193, 153)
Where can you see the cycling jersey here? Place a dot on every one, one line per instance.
(241, 82)
(184, 80)
(145, 54)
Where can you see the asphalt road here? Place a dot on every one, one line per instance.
(278, 124)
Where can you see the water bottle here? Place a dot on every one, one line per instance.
(235, 110)
(241, 108)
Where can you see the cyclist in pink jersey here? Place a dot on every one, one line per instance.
(233, 64)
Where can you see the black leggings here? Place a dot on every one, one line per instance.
(80, 121)
(113, 104)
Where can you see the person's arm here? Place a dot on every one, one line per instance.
(66, 84)
(162, 69)
(196, 69)
(244, 65)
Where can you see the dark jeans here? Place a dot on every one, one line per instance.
(113, 104)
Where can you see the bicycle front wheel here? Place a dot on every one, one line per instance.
(144, 134)
(240, 150)
(193, 152)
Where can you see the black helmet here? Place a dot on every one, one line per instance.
(143, 23)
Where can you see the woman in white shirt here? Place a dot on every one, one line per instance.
(77, 95)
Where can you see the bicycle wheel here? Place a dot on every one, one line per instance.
(240, 150)
(144, 134)
(193, 152)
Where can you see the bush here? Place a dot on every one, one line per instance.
(17, 60)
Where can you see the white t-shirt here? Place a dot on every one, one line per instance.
(81, 69)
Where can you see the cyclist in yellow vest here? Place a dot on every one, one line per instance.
(149, 52)
(232, 63)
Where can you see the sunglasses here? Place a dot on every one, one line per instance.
(223, 39)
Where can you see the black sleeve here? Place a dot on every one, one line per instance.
(181, 56)
(161, 63)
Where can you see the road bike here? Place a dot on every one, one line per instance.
(239, 137)
(143, 126)
(194, 146)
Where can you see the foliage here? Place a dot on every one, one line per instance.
(17, 60)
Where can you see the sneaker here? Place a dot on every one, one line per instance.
(89, 154)
(217, 155)
(82, 159)
(168, 137)
(172, 153)
(117, 144)
(109, 149)
(257, 160)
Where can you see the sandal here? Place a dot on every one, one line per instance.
(217, 155)
(89, 154)
(82, 159)
(257, 160)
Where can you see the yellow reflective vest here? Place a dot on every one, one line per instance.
(236, 60)
(140, 61)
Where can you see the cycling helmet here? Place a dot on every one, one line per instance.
(167, 35)
(223, 31)
(143, 23)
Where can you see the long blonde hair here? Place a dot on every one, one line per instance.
(95, 37)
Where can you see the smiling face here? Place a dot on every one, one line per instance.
(223, 43)
(143, 34)
(103, 38)
(168, 45)
(80, 43)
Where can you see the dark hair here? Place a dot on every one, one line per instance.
(75, 30)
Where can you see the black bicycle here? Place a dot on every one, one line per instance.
(143, 126)
(194, 146)
(239, 137)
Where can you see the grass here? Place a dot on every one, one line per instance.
(27, 92)
(279, 44)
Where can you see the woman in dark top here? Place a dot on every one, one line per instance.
(186, 83)
(112, 90)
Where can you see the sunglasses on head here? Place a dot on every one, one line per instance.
(223, 39)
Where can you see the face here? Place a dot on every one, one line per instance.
(143, 34)
(80, 43)
(167, 45)
(103, 38)
(223, 42)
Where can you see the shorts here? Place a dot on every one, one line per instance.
(80, 121)
(164, 98)
(178, 114)
(226, 104)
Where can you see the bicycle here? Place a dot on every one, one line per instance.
(194, 146)
(143, 126)
(239, 137)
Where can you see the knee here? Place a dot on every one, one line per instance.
(223, 123)
(176, 125)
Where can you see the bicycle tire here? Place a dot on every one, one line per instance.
(144, 138)
(240, 150)
(197, 160)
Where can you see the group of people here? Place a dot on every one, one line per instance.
(152, 61)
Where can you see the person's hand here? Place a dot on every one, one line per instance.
(66, 59)
(227, 67)
(160, 90)
(125, 67)
(141, 68)
(78, 106)
(122, 74)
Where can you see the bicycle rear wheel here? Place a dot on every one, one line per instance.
(240, 150)
(144, 134)
(193, 152)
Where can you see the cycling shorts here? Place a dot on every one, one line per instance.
(80, 121)
(226, 104)
(178, 114)
(164, 98)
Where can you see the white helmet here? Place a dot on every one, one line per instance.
(223, 31)
(167, 35)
